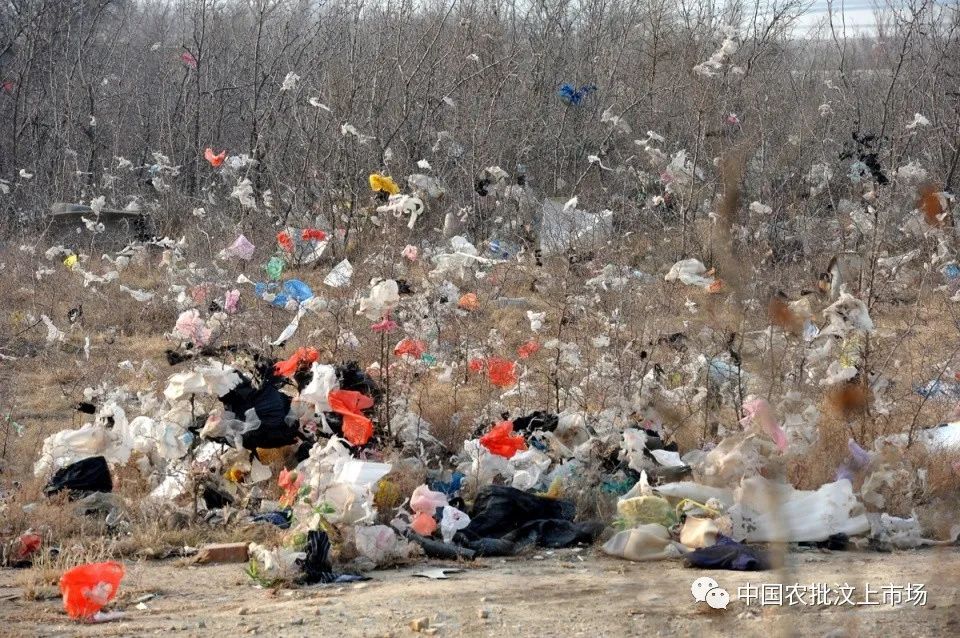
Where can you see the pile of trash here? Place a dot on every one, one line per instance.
(335, 447)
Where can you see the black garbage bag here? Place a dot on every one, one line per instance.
(727, 553)
(271, 406)
(835, 542)
(555, 533)
(505, 520)
(81, 478)
(538, 420)
(500, 509)
(317, 567)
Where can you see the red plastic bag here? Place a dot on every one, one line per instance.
(26, 545)
(501, 440)
(349, 404)
(502, 373)
(412, 347)
(87, 588)
(303, 356)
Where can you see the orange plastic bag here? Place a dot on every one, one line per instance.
(424, 524)
(501, 440)
(87, 588)
(356, 428)
(469, 302)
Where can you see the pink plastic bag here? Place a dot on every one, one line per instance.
(426, 501)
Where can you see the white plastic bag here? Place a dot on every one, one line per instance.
(452, 521)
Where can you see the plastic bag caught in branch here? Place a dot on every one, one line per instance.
(243, 192)
(403, 205)
(357, 429)
(382, 298)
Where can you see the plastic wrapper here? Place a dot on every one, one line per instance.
(281, 563)
(529, 467)
(646, 509)
(323, 380)
(340, 275)
(691, 272)
(381, 544)
(424, 500)
(241, 248)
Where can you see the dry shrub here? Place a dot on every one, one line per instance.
(450, 411)
(940, 502)
(819, 465)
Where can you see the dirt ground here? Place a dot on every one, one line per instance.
(559, 593)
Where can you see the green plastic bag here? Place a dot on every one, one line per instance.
(274, 268)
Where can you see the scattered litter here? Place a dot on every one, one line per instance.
(438, 573)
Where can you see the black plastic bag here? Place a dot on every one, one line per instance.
(271, 407)
(215, 498)
(81, 478)
(505, 521)
(499, 510)
(317, 567)
(538, 420)
(727, 553)
(556, 533)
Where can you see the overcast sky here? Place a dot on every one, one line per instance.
(858, 15)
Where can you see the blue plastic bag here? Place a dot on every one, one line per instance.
(298, 290)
